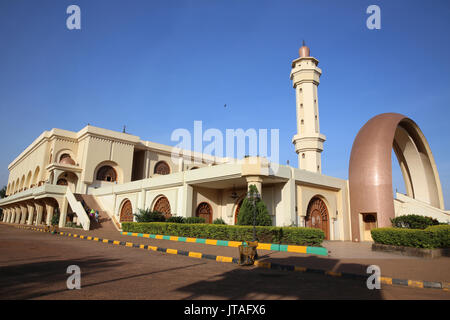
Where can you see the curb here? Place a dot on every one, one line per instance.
(260, 264)
(225, 243)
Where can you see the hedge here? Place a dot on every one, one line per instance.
(431, 237)
(277, 235)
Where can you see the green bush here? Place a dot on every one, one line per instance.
(194, 220)
(219, 221)
(246, 212)
(55, 219)
(431, 237)
(264, 234)
(71, 224)
(413, 221)
(146, 215)
(441, 234)
(175, 219)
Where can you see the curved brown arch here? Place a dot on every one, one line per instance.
(204, 210)
(126, 211)
(163, 205)
(370, 168)
(107, 173)
(317, 216)
(238, 208)
(162, 167)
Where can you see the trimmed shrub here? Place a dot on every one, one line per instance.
(194, 220)
(441, 234)
(219, 221)
(413, 221)
(246, 212)
(146, 215)
(432, 237)
(264, 234)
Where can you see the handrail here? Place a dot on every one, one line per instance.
(78, 209)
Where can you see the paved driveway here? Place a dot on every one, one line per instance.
(33, 266)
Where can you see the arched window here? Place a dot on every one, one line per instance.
(62, 182)
(64, 155)
(107, 173)
(162, 205)
(162, 168)
(204, 210)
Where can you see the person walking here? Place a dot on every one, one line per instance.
(96, 216)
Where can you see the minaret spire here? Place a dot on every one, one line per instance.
(308, 141)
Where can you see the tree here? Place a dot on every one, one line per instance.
(245, 216)
(3, 192)
(2, 195)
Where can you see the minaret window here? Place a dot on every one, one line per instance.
(301, 121)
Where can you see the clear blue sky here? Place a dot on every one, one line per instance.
(173, 62)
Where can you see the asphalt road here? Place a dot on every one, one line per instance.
(33, 266)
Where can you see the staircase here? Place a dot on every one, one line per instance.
(104, 221)
(406, 205)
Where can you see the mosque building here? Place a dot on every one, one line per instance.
(63, 173)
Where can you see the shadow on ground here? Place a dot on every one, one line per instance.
(257, 283)
(31, 280)
(316, 262)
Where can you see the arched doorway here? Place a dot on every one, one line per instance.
(317, 216)
(236, 212)
(162, 205)
(204, 210)
(126, 212)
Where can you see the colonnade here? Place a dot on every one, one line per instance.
(33, 212)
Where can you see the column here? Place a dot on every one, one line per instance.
(141, 199)
(63, 213)
(255, 180)
(18, 215)
(186, 201)
(5, 214)
(50, 210)
(30, 213)
(39, 210)
(288, 199)
(10, 215)
(23, 217)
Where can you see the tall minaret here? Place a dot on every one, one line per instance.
(308, 141)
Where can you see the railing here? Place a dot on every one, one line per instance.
(78, 209)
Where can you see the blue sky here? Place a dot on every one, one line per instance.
(173, 62)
